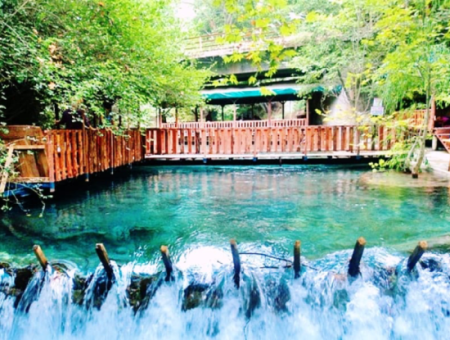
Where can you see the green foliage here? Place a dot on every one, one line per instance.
(392, 49)
(395, 159)
(124, 51)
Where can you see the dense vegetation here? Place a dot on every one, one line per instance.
(55, 53)
(393, 49)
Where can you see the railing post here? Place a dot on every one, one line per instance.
(269, 113)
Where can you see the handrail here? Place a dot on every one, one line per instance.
(262, 140)
(238, 124)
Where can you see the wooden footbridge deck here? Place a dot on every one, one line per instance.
(48, 157)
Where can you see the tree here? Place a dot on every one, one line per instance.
(125, 51)
(417, 38)
(389, 48)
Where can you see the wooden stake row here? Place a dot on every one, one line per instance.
(353, 267)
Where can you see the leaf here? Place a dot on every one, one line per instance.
(266, 91)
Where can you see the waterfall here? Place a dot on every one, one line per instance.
(202, 302)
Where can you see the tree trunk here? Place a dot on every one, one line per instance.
(422, 139)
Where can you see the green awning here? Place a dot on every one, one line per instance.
(249, 93)
(256, 95)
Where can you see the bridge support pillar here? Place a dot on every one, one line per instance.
(434, 143)
(269, 111)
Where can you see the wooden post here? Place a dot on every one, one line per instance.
(41, 257)
(234, 114)
(223, 117)
(176, 117)
(236, 262)
(196, 113)
(417, 254)
(282, 109)
(353, 267)
(307, 111)
(432, 115)
(167, 262)
(104, 259)
(297, 264)
(8, 162)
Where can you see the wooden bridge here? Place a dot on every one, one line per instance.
(268, 142)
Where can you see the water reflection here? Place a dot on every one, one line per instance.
(327, 207)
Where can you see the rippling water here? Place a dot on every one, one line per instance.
(263, 207)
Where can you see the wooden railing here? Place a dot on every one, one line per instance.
(415, 118)
(237, 141)
(237, 124)
(72, 153)
(443, 134)
(208, 46)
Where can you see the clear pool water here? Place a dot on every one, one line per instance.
(266, 208)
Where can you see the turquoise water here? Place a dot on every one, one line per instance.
(266, 208)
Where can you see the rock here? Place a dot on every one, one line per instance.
(194, 295)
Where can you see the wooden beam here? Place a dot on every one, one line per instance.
(417, 254)
(104, 259)
(297, 264)
(29, 147)
(167, 262)
(5, 174)
(236, 263)
(353, 267)
(30, 180)
(41, 257)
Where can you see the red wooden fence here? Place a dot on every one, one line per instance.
(235, 141)
(72, 153)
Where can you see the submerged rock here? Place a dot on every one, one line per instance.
(194, 296)
(141, 290)
(396, 179)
